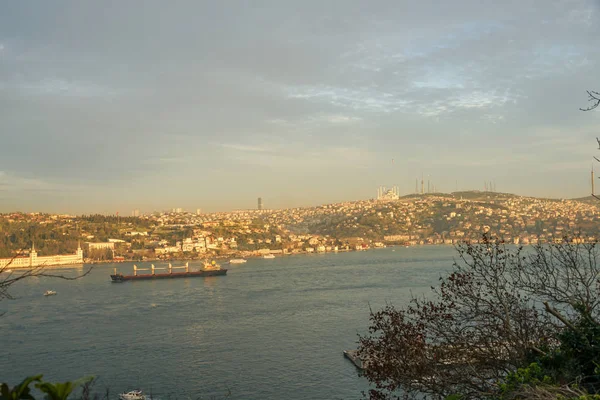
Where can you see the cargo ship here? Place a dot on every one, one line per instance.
(210, 269)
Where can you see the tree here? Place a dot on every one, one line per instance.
(594, 98)
(499, 310)
(101, 254)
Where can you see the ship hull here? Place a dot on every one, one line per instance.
(144, 277)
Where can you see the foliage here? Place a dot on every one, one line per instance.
(576, 358)
(479, 331)
(532, 375)
(49, 239)
(53, 235)
(52, 391)
(61, 391)
(20, 391)
(550, 392)
(100, 254)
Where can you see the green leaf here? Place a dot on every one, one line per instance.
(61, 391)
(20, 391)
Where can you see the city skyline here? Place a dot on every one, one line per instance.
(108, 107)
(384, 194)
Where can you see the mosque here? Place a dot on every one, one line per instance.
(384, 193)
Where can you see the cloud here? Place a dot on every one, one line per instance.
(58, 87)
(490, 159)
(312, 120)
(493, 118)
(247, 148)
(342, 119)
(351, 99)
(370, 100)
(297, 155)
(162, 161)
(11, 183)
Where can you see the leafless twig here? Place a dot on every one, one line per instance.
(8, 276)
(594, 97)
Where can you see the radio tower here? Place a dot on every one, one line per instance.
(592, 180)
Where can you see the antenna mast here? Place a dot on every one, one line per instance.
(592, 180)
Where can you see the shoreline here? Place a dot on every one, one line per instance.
(220, 257)
(234, 256)
(9, 269)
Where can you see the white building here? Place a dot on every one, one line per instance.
(100, 246)
(34, 261)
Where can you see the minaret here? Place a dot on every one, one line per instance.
(79, 251)
(33, 256)
(592, 180)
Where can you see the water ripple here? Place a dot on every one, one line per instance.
(270, 329)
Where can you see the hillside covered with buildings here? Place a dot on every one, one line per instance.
(410, 220)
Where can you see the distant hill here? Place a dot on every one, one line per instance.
(477, 195)
(466, 195)
(588, 200)
(426, 195)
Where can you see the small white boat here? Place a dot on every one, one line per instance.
(49, 293)
(132, 395)
(237, 261)
(268, 256)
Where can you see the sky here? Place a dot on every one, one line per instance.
(121, 105)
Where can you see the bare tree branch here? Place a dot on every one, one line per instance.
(499, 308)
(9, 277)
(558, 315)
(594, 98)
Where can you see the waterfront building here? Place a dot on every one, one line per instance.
(100, 245)
(33, 260)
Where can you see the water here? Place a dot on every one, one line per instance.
(270, 329)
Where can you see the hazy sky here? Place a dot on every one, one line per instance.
(109, 106)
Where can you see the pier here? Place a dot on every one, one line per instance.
(353, 356)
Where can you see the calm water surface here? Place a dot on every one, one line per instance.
(270, 329)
